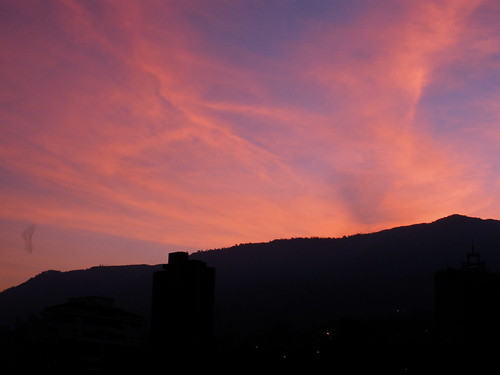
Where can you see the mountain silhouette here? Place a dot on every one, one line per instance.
(298, 282)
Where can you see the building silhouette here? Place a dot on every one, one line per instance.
(468, 313)
(182, 317)
(88, 335)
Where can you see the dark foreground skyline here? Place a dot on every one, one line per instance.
(317, 324)
(89, 334)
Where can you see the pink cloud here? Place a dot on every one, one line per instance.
(169, 122)
(379, 76)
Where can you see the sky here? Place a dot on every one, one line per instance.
(130, 129)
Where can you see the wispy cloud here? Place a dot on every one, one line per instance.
(203, 123)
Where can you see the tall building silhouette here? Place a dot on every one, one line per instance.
(183, 305)
(468, 311)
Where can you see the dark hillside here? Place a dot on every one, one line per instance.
(296, 281)
(310, 280)
(130, 286)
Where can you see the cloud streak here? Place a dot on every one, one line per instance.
(27, 235)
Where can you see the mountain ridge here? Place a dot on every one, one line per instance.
(297, 280)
